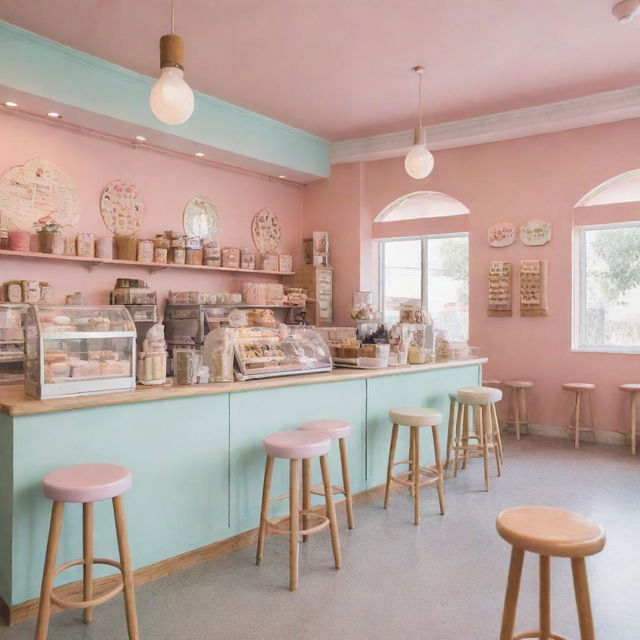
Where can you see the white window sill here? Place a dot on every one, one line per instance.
(605, 349)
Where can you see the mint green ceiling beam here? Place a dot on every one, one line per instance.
(48, 69)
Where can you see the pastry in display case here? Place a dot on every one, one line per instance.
(265, 352)
(12, 317)
(73, 350)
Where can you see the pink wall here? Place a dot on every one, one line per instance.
(540, 176)
(166, 183)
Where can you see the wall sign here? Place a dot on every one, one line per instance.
(502, 234)
(122, 207)
(535, 233)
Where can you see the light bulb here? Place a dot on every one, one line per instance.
(171, 98)
(419, 162)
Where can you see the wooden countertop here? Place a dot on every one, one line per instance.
(14, 401)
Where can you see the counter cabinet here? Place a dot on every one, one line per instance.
(197, 461)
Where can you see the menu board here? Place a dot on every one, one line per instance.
(533, 288)
(500, 287)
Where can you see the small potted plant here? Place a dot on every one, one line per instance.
(50, 239)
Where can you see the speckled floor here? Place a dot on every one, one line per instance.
(443, 580)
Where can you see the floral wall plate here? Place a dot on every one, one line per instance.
(535, 233)
(122, 207)
(502, 234)
(36, 189)
(201, 219)
(266, 231)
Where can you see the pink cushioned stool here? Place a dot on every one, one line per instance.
(295, 446)
(337, 430)
(86, 484)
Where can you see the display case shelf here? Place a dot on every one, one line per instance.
(93, 263)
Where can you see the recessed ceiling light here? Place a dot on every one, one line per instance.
(53, 114)
(199, 154)
(282, 177)
(140, 138)
(11, 104)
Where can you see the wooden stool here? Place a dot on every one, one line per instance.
(337, 430)
(580, 390)
(517, 410)
(417, 476)
(295, 446)
(86, 484)
(482, 402)
(548, 532)
(632, 389)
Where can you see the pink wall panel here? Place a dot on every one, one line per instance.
(166, 183)
(536, 177)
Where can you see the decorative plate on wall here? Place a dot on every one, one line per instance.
(122, 207)
(266, 231)
(502, 234)
(535, 233)
(36, 189)
(201, 219)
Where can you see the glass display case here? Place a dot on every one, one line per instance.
(73, 350)
(265, 352)
(12, 318)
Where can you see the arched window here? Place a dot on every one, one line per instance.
(422, 204)
(606, 309)
(622, 188)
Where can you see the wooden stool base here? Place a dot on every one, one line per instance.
(539, 635)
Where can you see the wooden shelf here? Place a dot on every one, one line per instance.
(93, 263)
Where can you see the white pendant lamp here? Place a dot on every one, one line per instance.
(419, 161)
(171, 98)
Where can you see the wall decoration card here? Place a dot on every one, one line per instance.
(266, 232)
(500, 289)
(502, 234)
(36, 189)
(535, 233)
(122, 207)
(201, 219)
(533, 288)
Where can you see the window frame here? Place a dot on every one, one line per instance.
(424, 263)
(579, 294)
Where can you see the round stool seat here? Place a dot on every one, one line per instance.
(578, 386)
(492, 383)
(630, 386)
(518, 384)
(335, 429)
(550, 532)
(296, 444)
(415, 416)
(479, 395)
(86, 483)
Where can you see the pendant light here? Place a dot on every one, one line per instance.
(171, 98)
(419, 161)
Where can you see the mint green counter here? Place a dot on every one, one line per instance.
(197, 460)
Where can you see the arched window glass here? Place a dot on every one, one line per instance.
(622, 188)
(422, 204)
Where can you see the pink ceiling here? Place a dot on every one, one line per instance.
(341, 68)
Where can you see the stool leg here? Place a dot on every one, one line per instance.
(489, 432)
(411, 468)
(415, 437)
(439, 469)
(294, 508)
(452, 417)
(516, 414)
(577, 433)
(87, 554)
(331, 511)
(44, 610)
(485, 448)
(460, 418)
(498, 435)
(591, 418)
(525, 410)
(633, 423)
(127, 570)
(581, 587)
(264, 509)
(545, 597)
(511, 596)
(306, 493)
(392, 455)
(346, 483)
(465, 434)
